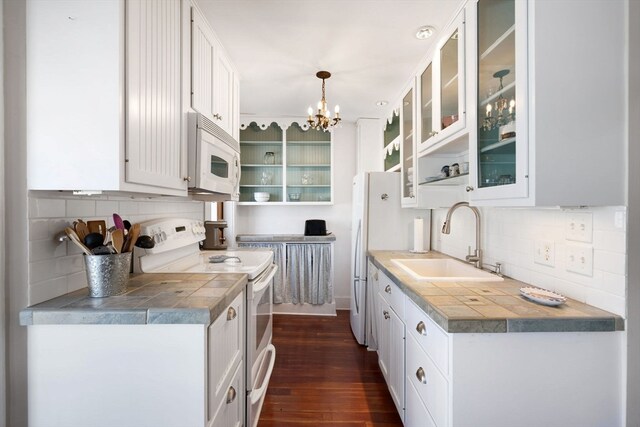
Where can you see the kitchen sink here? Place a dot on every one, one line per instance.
(444, 270)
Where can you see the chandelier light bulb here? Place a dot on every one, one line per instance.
(337, 109)
(310, 111)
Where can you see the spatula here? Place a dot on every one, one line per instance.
(75, 239)
(132, 237)
(81, 230)
(98, 226)
(117, 239)
(117, 221)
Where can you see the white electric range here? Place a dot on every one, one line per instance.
(177, 250)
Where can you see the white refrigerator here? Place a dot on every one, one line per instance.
(378, 223)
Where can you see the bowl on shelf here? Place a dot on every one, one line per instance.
(294, 197)
(261, 196)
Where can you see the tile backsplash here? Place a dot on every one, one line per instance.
(56, 268)
(513, 236)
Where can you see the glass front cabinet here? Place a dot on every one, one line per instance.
(391, 138)
(441, 89)
(285, 162)
(407, 149)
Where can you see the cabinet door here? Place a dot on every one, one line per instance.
(383, 316)
(396, 361)
(155, 147)
(203, 51)
(231, 410)
(223, 91)
(424, 108)
(498, 155)
(417, 414)
(407, 149)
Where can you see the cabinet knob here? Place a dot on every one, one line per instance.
(387, 289)
(469, 188)
(421, 328)
(231, 313)
(217, 116)
(422, 377)
(187, 178)
(386, 314)
(384, 196)
(231, 395)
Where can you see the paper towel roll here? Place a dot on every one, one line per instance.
(418, 235)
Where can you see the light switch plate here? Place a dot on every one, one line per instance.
(579, 259)
(544, 253)
(579, 226)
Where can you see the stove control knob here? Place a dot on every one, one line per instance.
(163, 235)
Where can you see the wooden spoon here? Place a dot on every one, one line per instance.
(82, 230)
(98, 226)
(117, 239)
(75, 239)
(132, 237)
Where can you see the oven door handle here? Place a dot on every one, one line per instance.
(257, 393)
(264, 281)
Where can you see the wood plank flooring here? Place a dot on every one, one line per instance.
(322, 377)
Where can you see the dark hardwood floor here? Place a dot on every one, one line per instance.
(322, 377)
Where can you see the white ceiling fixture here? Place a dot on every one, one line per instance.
(424, 33)
(369, 45)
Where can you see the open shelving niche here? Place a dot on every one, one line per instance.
(303, 162)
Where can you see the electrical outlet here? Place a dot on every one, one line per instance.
(579, 259)
(579, 226)
(544, 253)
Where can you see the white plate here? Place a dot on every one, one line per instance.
(543, 296)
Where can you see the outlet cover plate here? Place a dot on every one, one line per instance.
(544, 253)
(579, 226)
(579, 259)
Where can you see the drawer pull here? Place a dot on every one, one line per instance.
(421, 328)
(231, 313)
(231, 395)
(387, 289)
(386, 314)
(422, 377)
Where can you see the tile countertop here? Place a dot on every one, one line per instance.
(283, 238)
(151, 298)
(488, 307)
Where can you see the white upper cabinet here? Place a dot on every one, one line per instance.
(548, 114)
(407, 149)
(105, 96)
(213, 77)
(441, 89)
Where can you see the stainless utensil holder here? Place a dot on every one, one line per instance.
(107, 275)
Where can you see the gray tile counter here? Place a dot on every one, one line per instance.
(283, 238)
(489, 307)
(151, 298)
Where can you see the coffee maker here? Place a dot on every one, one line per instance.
(214, 235)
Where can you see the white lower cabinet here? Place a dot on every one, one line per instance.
(230, 412)
(526, 379)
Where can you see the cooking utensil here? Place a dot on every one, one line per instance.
(132, 237)
(127, 224)
(102, 250)
(97, 226)
(93, 240)
(75, 239)
(145, 242)
(81, 229)
(117, 239)
(117, 221)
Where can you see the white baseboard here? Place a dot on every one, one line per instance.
(306, 309)
(343, 303)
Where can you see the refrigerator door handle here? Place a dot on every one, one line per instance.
(355, 295)
(355, 267)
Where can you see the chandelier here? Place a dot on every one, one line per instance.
(502, 115)
(322, 119)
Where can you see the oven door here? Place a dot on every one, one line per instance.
(217, 166)
(261, 353)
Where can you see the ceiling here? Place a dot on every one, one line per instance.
(369, 46)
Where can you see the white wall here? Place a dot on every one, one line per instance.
(509, 237)
(289, 219)
(3, 326)
(56, 268)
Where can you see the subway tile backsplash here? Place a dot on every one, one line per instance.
(56, 268)
(509, 236)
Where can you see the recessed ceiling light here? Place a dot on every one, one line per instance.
(425, 32)
(382, 103)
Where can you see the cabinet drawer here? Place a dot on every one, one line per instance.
(225, 348)
(433, 340)
(416, 414)
(230, 411)
(392, 294)
(431, 385)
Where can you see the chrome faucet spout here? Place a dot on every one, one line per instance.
(476, 257)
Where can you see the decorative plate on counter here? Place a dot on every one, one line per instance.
(543, 296)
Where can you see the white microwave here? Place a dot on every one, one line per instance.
(214, 161)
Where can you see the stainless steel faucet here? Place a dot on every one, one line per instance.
(476, 257)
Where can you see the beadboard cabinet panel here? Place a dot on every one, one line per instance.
(154, 145)
(202, 54)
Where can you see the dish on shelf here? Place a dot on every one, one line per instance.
(261, 196)
(294, 197)
(542, 296)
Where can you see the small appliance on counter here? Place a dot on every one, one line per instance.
(214, 235)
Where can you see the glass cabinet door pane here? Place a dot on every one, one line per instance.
(407, 145)
(449, 82)
(426, 104)
(496, 93)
